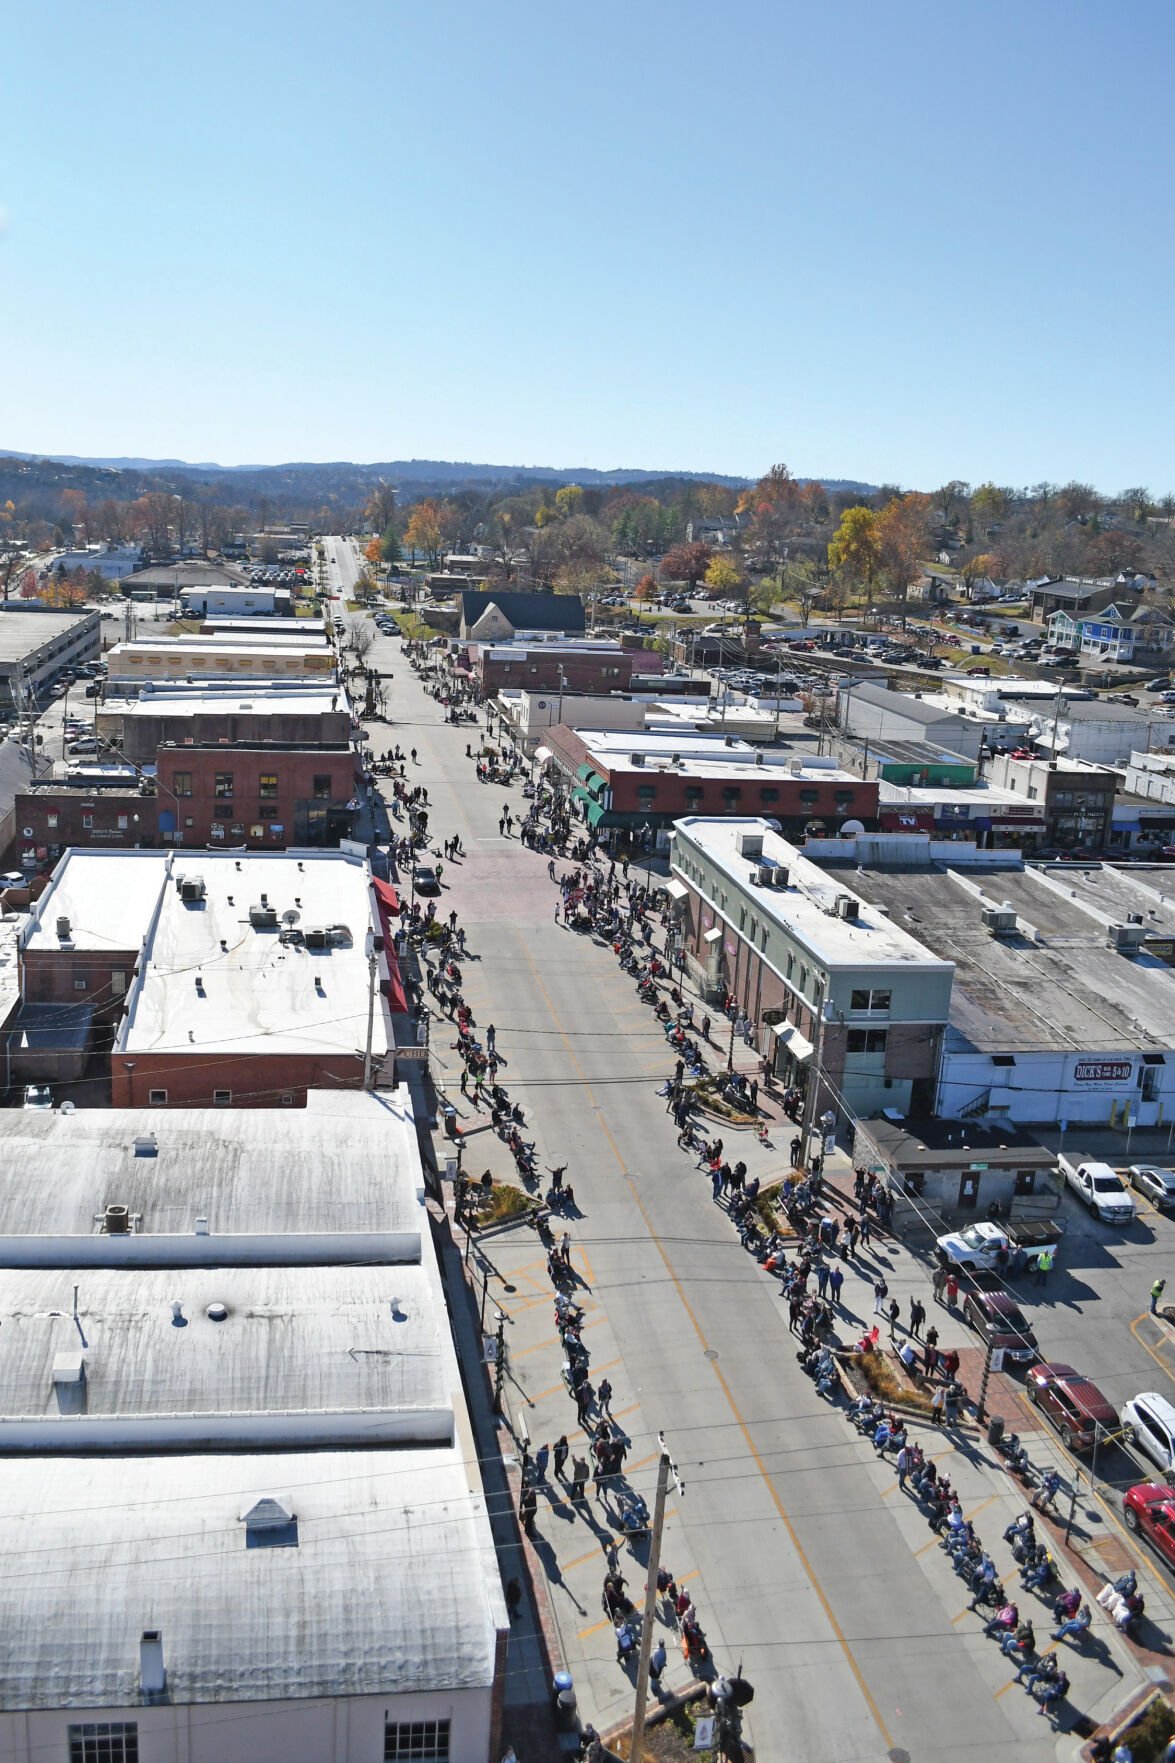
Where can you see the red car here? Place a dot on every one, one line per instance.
(1149, 1510)
(1075, 1406)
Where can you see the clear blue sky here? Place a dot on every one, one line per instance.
(902, 242)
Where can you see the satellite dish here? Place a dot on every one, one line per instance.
(852, 829)
(291, 915)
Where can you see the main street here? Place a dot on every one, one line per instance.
(805, 1562)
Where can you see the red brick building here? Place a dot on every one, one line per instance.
(52, 816)
(601, 667)
(260, 796)
(630, 779)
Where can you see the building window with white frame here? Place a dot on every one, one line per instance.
(416, 1741)
(104, 1741)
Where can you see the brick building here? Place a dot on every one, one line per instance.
(50, 817)
(261, 796)
(543, 667)
(296, 715)
(836, 993)
(210, 979)
(629, 779)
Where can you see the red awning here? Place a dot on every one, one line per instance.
(388, 902)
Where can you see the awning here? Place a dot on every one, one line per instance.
(783, 1031)
(388, 905)
(797, 1045)
(676, 890)
(713, 936)
(542, 754)
(584, 771)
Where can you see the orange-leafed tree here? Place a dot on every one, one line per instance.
(373, 552)
(686, 563)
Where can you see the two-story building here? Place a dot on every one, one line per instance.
(259, 795)
(838, 994)
(224, 712)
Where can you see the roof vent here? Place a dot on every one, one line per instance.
(152, 1671)
(146, 1145)
(216, 1311)
(116, 1221)
(201, 1227)
(270, 1524)
(68, 1368)
(63, 929)
(192, 888)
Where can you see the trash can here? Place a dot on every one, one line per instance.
(564, 1691)
(995, 1429)
(450, 1117)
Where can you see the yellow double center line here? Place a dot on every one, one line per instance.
(825, 1605)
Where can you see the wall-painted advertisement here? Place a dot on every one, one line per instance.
(1103, 1071)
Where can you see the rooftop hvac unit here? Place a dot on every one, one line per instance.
(263, 917)
(847, 906)
(761, 875)
(636, 758)
(1000, 920)
(192, 887)
(749, 844)
(315, 938)
(780, 876)
(1126, 938)
(116, 1221)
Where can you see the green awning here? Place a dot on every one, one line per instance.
(584, 771)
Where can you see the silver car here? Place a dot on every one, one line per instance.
(1157, 1184)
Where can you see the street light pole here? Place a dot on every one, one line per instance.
(664, 1468)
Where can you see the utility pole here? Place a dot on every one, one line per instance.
(372, 973)
(664, 1469)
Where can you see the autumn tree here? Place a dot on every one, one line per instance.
(1077, 499)
(1137, 502)
(381, 507)
(582, 542)
(990, 502)
(686, 563)
(373, 553)
(854, 551)
(724, 578)
(950, 495)
(568, 500)
(11, 564)
(1109, 552)
(111, 520)
(73, 513)
(152, 516)
(773, 505)
(645, 589)
(423, 532)
(901, 534)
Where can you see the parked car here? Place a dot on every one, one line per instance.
(1149, 1511)
(1100, 1187)
(1001, 1323)
(1157, 1184)
(426, 881)
(1149, 1423)
(1076, 1406)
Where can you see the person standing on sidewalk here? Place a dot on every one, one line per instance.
(604, 1397)
(939, 1282)
(657, 1662)
(917, 1317)
(1044, 1266)
(1157, 1291)
(542, 1458)
(880, 1293)
(836, 1280)
(579, 1475)
(560, 1455)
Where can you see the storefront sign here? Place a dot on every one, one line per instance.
(1103, 1071)
(1162, 948)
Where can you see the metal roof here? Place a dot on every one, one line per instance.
(335, 1181)
(391, 1588)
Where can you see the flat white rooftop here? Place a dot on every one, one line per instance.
(336, 1181)
(808, 904)
(979, 797)
(209, 978)
(388, 1584)
(193, 648)
(368, 1346)
(616, 746)
(208, 699)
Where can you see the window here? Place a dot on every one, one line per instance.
(79, 985)
(732, 793)
(257, 829)
(221, 1098)
(267, 786)
(87, 820)
(869, 1000)
(268, 810)
(123, 822)
(866, 1040)
(646, 794)
(51, 822)
(769, 795)
(157, 1098)
(224, 784)
(287, 1098)
(105, 1741)
(845, 798)
(321, 790)
(223, 814)
(118, 985)
(181, 783)
(809, 798)
(416, 1741)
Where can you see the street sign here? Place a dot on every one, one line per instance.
(489, 1348)
(410, 1052)
(998, 1356)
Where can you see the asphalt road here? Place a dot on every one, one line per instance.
(807, 1569)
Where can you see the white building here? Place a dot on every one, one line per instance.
(258, 1584)
(233, 602)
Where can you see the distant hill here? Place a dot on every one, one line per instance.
(345, 476)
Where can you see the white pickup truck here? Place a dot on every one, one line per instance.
(1100, 1188)
(985, 1245)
